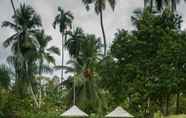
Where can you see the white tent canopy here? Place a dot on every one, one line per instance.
(119, 112)
(74, 111)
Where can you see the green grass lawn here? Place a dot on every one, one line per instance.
(176, 116)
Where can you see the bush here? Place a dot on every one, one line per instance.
(41, 115)
(176, 116)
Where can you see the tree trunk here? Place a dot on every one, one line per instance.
(12, 3)
(177, 102)
(103, 32)
(62, 56)
(40, 85)
(161, 105)
(34, 96)
(173, 5)
(151, 5)
(167, 105)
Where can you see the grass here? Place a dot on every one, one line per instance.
(176, 116)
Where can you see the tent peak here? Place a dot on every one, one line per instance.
(119, 112)
(74, 111)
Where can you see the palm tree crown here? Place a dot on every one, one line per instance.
(100, 6)
(63, 19)
(161, 4)
(25, 23)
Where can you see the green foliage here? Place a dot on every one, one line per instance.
(41, 115)
(5, 77)
(176, 116)
(147, 63)
(144, 71)
(162, 4)
(158, 115)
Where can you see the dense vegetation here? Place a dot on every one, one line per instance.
(143, 71)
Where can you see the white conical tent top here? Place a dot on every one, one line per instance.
(74, 111)
(119, 112)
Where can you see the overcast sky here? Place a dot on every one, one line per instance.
(89, 21)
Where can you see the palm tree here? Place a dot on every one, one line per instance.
(160, 4)
(64, 20)
(44, 52)
(73, 42)
(100, 6)
(44, 55)
(25, 24)
(83, 67)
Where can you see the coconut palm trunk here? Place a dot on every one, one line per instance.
(62, 56)
(178, 103)
(151, 5)
(13, 6)
(103, 32)
(40, 85)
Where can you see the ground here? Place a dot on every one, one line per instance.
(177, 116)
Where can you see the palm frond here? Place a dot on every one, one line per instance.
(49, 58)
(54, 50)
(87, 3)
(56, 21)
(66, 68)
(11, 39)
(112, 4)
(11, 60)
(10, 25)
(46, 69)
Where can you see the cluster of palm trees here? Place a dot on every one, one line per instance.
(64, 20)
(30, 54)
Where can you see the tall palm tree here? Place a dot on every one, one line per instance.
(25, 23)
(100, 6)
(64, 20)
(85, 75)
(44, 55)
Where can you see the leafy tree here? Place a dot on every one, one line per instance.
(144, 63)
